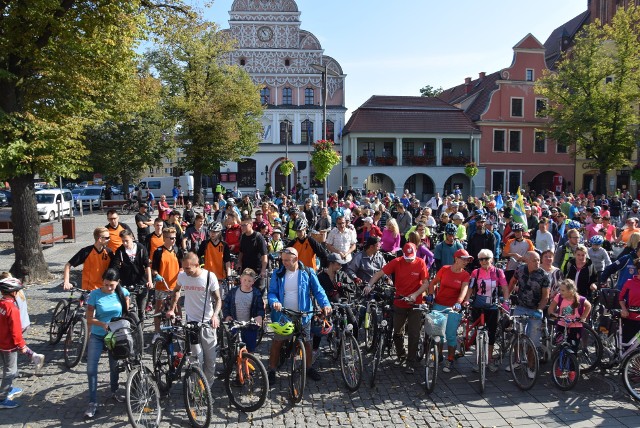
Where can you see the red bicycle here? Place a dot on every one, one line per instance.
(474, 332)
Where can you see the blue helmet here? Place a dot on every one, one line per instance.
(450, 229)
(572, 224)
(596, 240)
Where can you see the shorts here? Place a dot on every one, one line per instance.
(306, 333)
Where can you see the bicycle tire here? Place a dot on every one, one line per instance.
(198, 400)
(125, 209)
(138, 337)
(351, 362)
(422, 341)
(76, 342)
(298, 373)
(370, 327)
(249, 394)
(522, 350)
(334, 345)
(501, 345)
(375, 361)
(609, 349)
(461, 335)
(431, 365)
(590, 350)
(565, 369)
(482, 350)
(631, 375)
(260, 335)
(161, 360)
(143, 399)
(58, 321)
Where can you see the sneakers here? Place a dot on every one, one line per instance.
(38, 361)
(8, 404)
(91, 411)
(118, 396)
(409, 369)
(508, 368)
(15, 392)
(493, 367)
(448, 366)
(531, 374)
(155, 337)
(313, 374)
(272, 377)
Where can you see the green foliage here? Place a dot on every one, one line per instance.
(471, 169)
(286, 167)
(324, 158)
(594, 93)
(430, 91)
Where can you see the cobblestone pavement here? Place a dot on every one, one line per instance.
(58, 396)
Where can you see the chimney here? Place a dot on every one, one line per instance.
(481, 75)
(467, 84)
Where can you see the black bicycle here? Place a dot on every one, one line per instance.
(383, 336)
(343, 345)
(69, 318)
(565, 367)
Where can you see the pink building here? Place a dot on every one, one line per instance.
(514, 149)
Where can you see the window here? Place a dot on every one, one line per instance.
(514, 141)
(287, 97)
(447, 149)
(541, 107)
(265, 96)
(286, 129)
(369, 150)
(243, 61)
(287, 62)
(515, 181)
(516, 107)
(387, 150)
(540, 143)
(499, 140)
(561, 147)
(407, 150)
(529, 75)
(308, 96)
(306, 132)
(330, 131)
(247, 173)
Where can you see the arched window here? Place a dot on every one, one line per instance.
(285, 132)
(247, 173)
(330, 131)
(308, 96)
(265, 96)
(306, 132)
(287, 96)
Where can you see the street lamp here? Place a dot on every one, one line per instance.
(324, 70)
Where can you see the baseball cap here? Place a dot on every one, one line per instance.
(462, 254)
(409, 251)
(144, 205)
(368, 220)
(335, 258)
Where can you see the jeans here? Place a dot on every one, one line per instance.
(94, 350)
(413, 320)
(453, 321)
(533, 328)
(9, 372)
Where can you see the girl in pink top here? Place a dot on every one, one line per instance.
(568, 303)
(390, 241)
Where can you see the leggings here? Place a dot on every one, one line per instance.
(490, 320)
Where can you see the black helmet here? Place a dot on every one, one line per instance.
(294, 210)
(300, 224)
(517, 227)
(9, 285)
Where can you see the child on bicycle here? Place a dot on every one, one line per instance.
(568, 303)
(244, 303)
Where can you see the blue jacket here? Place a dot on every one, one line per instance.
(229, 306)
(625, 266)
(307, 279)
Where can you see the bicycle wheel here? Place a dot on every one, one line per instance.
(589, 350)
(482, 350)
(461, 336)
(502, 343)
(198, 401)
(247, 383)
(162, 365)
(334, 345)
(431, 364)
(370, 327)
(58, 320)
(375, 361)
(298, 374)
(138, 337)
(565, 370)
(609, 349)
(143, 399)
(422, 341)
(523, 361)
(76, 341)
(260, 335)
(126, 208)
(351, 362)
(631, 375)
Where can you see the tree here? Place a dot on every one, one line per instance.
(217, 107)
(593, 95)
(430, 91)
(61, 62)
(136, 136)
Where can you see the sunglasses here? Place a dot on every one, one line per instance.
(290, 252)
(106, 238)
(483, 259)
(173, 238)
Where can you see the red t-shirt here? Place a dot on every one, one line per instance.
(630, 293)
(450, 285)
(408, 277)
(10, 327)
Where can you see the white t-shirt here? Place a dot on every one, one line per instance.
(193, 290)
(291, 290)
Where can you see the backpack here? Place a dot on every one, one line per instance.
(119, 341)
(580, 303)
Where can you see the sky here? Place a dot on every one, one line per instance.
(396, 47)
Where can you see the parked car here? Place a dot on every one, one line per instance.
(51, 203)
(91, 195)
(76, 192)
(7, 195)
(3, 200)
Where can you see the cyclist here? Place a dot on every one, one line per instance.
(195, 234)
(165, 266)
(154, 239)
(453, 282)
(566, 251)
(598, 255)
(189, 214)
(12, 342)
(243, 304)
(308, 248)
(367, 262)
(215, 253)
(143, 222)
(342, 239)
(445, 250)
(568, 302)
(115, 227)
(411, 281)
(516, 248)
(253, 251)
(582, 270)
(290, 230)
(95, 260)
(625, 265)
(481, 239)
(630, 297)
(487, 282)
(292, 287)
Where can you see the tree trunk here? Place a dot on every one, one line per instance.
(197, 187)
(29, 261)
(601, 182)
(126, 179)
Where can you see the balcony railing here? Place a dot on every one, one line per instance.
(410, 160)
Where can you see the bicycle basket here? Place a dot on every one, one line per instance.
(609, 298)
(119, 341)
(435, 324)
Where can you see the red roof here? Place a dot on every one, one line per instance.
(380, 114)
(480, 89)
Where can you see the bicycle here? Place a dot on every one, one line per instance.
(73, 323)
(294, 350)
(434, 325)
(474, 332)
(383, 318)
(344, 345)
(565, 368)
(132, 206)
(137, 315)
(523, 357)
(172, 353)
(369, 324)
(245, 380)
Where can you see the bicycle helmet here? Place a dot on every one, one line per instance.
(481, 218)
(294, 210)
(450, 229)
(596, 240)
(300, 224)
(9, 285)
(517, 227)
(216, 227)
(572, 224)
(283, 328)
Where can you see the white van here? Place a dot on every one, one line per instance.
(52, 202)
(164, 186)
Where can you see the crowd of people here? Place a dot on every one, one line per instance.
(448, 251)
